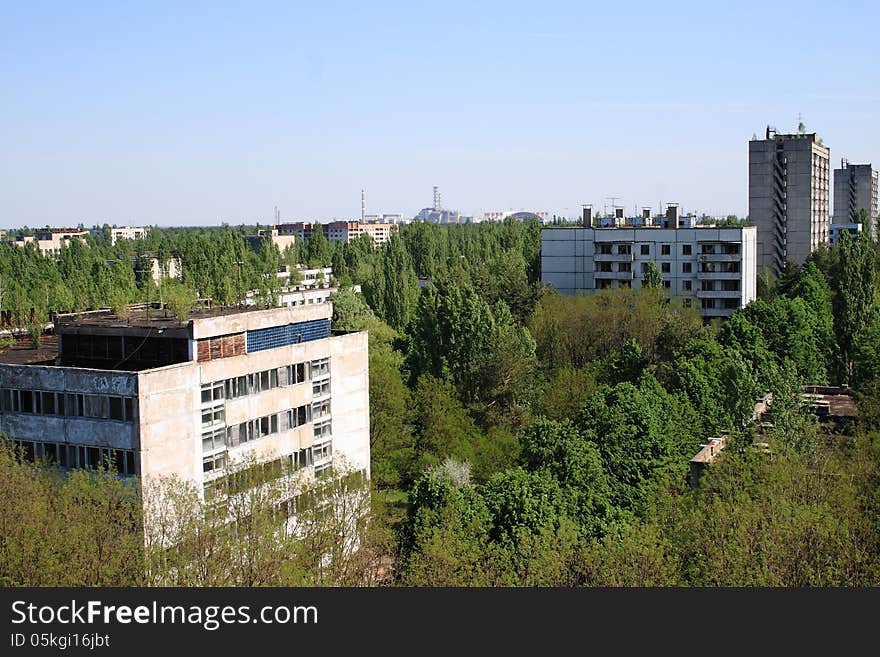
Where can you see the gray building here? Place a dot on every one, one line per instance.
(789, 181)
(159, 398)
(855, 188)
(712, 268)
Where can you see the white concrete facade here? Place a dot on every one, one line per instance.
(234, 397)
(715, 268)
(127, 233)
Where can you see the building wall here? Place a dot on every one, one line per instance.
(855, 188)
(170, 430)
(572, 260)
(789, 197)
(70, 429)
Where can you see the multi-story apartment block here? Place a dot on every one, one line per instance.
(156, 397)
(713, 269)
(345, 231)
(280, 238)
(854, 229)
(855, 188)
(127, 233)
(788, 196)
(50, 241)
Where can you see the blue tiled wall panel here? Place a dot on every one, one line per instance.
(281, 336)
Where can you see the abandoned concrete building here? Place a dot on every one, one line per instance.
(156, 397)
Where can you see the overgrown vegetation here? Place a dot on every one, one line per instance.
(521, 437)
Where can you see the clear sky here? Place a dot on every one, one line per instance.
(203, 112)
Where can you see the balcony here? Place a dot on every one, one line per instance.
(719, 257)
(719, 294)
(719, 275)
(615, 275)
(613, 257)
(717, 312)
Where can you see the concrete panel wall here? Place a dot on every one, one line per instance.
(349, 371)
(170, 422)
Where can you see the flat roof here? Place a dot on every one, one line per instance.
(22, 352)
(145, 316)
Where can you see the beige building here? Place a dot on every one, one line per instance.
(278, 235)
(345, 231)
(789, 195)
(158, 398)
(50, 241)
(127, 233)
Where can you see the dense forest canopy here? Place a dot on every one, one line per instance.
(523, 437)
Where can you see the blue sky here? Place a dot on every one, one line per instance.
(198, 112)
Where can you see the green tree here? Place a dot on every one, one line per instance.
(652, 278)
(855, 305)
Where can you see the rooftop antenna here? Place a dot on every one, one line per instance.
(613, 200)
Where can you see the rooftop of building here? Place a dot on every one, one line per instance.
(23, 352)
(153, 316)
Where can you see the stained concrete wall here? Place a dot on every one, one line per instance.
(72, 430)
(170, 421)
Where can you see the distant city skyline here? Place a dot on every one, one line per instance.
(201, 114)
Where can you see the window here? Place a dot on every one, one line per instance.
(624, 284)
(664, 267)
(667, 285)
(646, 249)
(644, 267)
(321, 409)
(320, 368)
(624, 266)
(212, 440)
(116, 409)
(664, 249)
(730, 286)
(322, 430)
(707, 286)
(604, 266)
(624, 249)
(686, 286)
(685, 268)
(686, 249)
(321, 388)
(604, 249)
(707, 249)
(603, 284)
(212, 463)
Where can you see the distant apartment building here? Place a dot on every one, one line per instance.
(149, 263)
(50, 241)
(340, 231)
(517, 215)
(713, 269)
(854, 230)
(386, 218)
(127, 233)
(281, 236)
(789, 181)
(155, 397)
(855, 188)
(345, 231)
